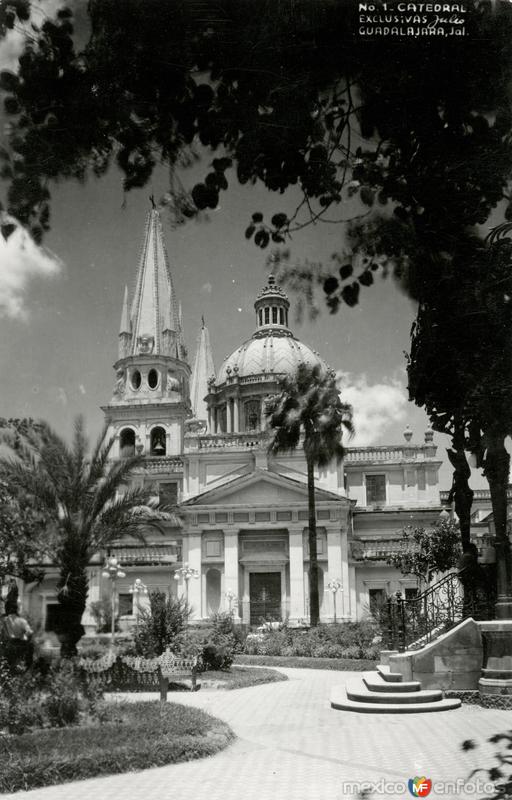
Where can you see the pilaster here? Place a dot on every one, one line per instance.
(297, 604)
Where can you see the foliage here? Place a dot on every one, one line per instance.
(88, 505)
(43, 697)
(305, 662)
(215, 645)
(500, 773)
(101, 611)
(289, 94)
(352, 640)
(160, 624)
(426, 551)
(308, 410)
(130, 736)
(24, 520)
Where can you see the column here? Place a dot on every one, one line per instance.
(215, 420)
(236, 414)
(231, 567)
(210, 420)
(348, 577)
(194, 584)
(229, 416)
(263, 422)
(297, 606)
(335, 570)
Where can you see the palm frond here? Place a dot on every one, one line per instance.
(106, 488)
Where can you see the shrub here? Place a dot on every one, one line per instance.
(159, 625)
(44, 697)
(344, 640)
(215, 650)
(101, 611)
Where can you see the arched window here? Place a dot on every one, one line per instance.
(281, 316)
(127, 443)
(267, 315)
(158, 444)
(252, 415)
(260, 316)
(213, 591)
(274, 315)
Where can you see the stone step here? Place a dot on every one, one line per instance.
(500, 674)
(356, 690)
(341, 702)
(385, 673)
(376, 683)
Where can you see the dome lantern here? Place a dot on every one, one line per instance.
(272, 307)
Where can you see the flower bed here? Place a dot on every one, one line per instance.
(129, 736)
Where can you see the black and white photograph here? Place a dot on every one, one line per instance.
(256, 399)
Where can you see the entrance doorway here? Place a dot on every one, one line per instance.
(264, 596)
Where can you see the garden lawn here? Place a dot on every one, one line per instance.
(239, 678)
(309, 662)
(130, 736)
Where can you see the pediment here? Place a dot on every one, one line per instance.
(261, 488)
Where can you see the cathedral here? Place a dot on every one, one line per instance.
(239, 539)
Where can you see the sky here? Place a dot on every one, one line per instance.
(60, 306)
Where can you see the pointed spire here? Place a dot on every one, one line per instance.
(125, 316)
(203, 369)
(154, 307)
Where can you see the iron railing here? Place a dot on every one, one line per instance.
(411, 623)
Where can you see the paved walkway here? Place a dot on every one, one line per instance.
(292, 746)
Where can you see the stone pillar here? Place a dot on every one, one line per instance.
(194, 584)
(350, 593)
(297, 606)
(262, 415)
(210, 420)
(231, 567)
(229, 416)
(334, 570)
(236, 414)
(346, 577)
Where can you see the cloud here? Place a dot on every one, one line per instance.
(376, 406)
(21, 260)
(207, 288)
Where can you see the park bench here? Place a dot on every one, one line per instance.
(172, 667)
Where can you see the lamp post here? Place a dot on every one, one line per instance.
(112, 570)
(230, 596)
(186, 572)
(334, 586)
(137, 589)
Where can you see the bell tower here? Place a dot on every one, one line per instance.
(151, 397)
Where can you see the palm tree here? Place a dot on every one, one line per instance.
(89, 507)
(308, 409)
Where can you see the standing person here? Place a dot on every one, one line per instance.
(16, 636)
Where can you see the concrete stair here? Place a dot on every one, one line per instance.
(384, 692)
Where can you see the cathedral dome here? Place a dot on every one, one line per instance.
(272, 349)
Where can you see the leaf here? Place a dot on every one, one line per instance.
(331, 284)
(250, 231)
(366, 278)
(7, 230)
(350, 294)
(262, 239)
(468, 744)
(279, 220)
(367, 195)
(346, 271)
(257, 217)
(8, 81)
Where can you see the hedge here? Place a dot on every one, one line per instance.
(305, 662)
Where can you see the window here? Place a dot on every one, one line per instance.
(158, 445)
(267, 315)
(260, 316)
(152, 378)
(213, 548)
(168, 493)
(127, 443)
(125, 605)
(252, 415)
(136, 379)
(281, 316)
(375, 490)
(274, 315)
(377, 598)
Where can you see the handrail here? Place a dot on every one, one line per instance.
(414, 622)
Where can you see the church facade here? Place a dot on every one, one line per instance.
(239, 541)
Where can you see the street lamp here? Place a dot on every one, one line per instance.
(186, 572)
(112, 570)
(137, 589)
(334, 586)
(230, 596)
